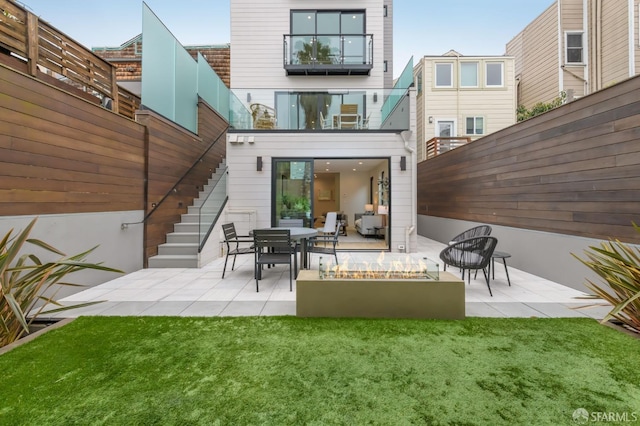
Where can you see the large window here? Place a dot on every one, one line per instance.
(475, 125)
(573, 43)
(468, 74)
(291, 198)
(314, 110)
(494, 74)
(444, 75)
(327, 37)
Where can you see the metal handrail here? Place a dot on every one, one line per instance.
(173, 189)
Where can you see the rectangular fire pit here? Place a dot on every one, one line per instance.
(379, 298)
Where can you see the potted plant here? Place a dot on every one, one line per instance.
(28, 285)
(618, 264)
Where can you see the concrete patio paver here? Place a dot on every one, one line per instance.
(202, 292)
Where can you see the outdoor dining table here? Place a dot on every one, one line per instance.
(300, 235)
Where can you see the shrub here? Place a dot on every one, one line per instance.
(28, 285)
(618, 264)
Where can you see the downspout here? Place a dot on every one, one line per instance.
(406, 136)
(560, 50)
(586, 42)
(632, 36)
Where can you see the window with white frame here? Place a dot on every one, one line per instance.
(468, 74)
(574, 47)
(444, 74)
(475, 126)
(494, 74)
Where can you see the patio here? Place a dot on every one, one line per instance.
(201, 292)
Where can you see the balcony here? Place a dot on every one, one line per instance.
(328, 54)
(329, 110)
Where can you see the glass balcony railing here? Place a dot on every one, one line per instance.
(319, 109)
(328, 54)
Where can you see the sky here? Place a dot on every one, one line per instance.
(421, 27)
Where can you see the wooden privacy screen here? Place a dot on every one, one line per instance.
(574, 170)
(50, 52)
(62, 154)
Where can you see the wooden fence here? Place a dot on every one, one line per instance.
(573, 170)
(47, 50)
(438, 145)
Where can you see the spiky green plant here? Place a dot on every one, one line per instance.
(618, 264)
(28, 285)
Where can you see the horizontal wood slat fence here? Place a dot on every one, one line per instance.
(43, 46)
(60, 154)
(573, 170)
(438, 145)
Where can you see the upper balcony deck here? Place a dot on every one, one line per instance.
(318, 109)
(328, 54)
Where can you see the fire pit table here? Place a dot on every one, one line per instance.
(386, 290)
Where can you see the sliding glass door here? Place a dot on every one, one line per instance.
(314, 110)
(291, 197)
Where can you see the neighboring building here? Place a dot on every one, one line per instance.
(577, 47)
(327, 129)
(127, 59)
(464, 97)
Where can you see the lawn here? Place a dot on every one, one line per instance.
(292, 371)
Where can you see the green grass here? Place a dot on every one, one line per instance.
(292, 371)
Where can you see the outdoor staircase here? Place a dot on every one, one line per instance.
(181, 247)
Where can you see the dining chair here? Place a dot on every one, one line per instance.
(365, 122)
(233, 242)
(330, 224)
(325, 122)
(349, 116)
(470, 255)
(274, 247)
(323, 244)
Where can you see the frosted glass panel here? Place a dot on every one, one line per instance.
(186, 84)
(158, 65)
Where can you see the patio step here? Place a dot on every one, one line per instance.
(169, 249)
(174, 261)
(181, 247)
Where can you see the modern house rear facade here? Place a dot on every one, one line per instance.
(327, 129)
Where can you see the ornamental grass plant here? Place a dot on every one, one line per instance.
(618, 264)
(28, 284)
(315, 371)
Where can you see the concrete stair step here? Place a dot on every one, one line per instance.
(187, 227)
(195, 217)
(183, 237)
(178, 249)
(173, 261)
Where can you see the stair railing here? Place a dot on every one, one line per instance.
(211, 208)
(174, 191)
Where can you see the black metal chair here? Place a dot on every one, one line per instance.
(233, 241)
(323, 244)
(476, 231)
(470, 255)
(273, 247)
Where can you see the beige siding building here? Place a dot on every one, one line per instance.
(340, 136)
(576, 47)
(463, 96)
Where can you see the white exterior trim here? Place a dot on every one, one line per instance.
(560, 53)
(632, 47)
